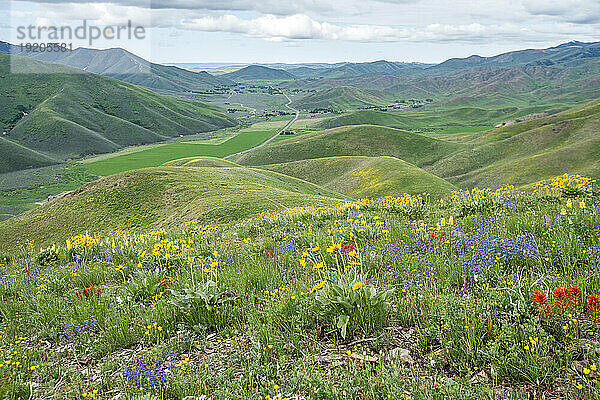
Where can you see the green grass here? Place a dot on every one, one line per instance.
(194, 162)
(22, 190)
(226, 143)
(439, 121)
(528, 151)
(365, 177)
(164, 197)
(161, 154)
(339, 98)
(425, 300)
(69, 114)
(360, 140)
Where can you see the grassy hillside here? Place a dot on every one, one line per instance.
(464, 118)
(360, 140)
(195, 162)
(339, 98)
(477, 298)
(163, 197)
(70, 113)
(365, 177)
(529, 151)
(14, 157)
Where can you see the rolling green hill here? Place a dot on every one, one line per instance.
(338, 98)
(14, 157)
(359, 140)
(529, 151)
(195, 162)
(70, 113)
(440, 120)
(361, 177)
(163, 197)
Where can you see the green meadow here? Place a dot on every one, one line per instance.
(161, 154)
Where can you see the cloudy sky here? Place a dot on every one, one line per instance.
(204, 31)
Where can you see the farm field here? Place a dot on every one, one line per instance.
(23, 190)
(158, 155)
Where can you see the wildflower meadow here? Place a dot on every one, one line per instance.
(486, 294)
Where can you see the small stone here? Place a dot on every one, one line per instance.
(402, 354)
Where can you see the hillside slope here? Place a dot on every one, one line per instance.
(339, 98)
(529, 151)
(70, 113)
(483, 87)
(422, 120)
(360, 140)
(163, 197)
(14, 157)
(361, 177)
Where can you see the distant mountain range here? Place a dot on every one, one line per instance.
(259, 73)
(568, 53)
(123, 65)
(569, 73)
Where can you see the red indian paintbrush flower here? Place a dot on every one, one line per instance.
(567, 296)
(574, 294)
(594, 304)
(83, 293)
(540, 298)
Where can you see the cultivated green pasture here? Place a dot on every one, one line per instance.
(159, 155)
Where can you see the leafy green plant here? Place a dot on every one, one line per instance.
(525, 353)
(205, 307)
(143, 287)
(47, 257)
(354, 307)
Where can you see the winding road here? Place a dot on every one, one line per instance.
(274, 136)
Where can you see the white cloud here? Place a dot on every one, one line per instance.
(278, 7)
(573, 11)
(302, 27)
